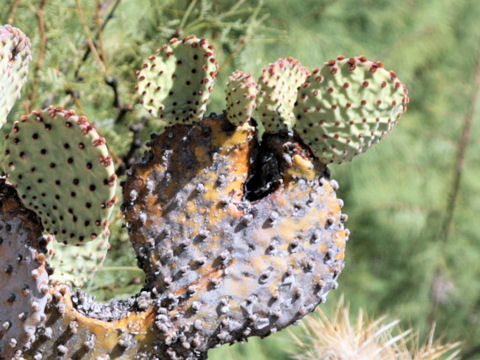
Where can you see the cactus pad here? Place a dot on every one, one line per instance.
(14, 60)
(175, 83)
(347, 106)
(23, 276)
(230, 267)
(63, 171)
(278, 86)
(241, 94)
(76, 265)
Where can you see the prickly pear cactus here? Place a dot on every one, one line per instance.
(237, 237)
(63, 171)
(278, 86)
(347, 106)
(241, 92)
(14, 60)
(76, 265)
(175, 83)
(24, 278)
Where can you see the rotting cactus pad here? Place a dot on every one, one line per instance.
(23, 276)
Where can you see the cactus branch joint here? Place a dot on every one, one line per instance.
(244, 239)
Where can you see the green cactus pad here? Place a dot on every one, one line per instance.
(278, 86)
(175, 83)
(241, 94)
(347, 106)
(63, 171)
(14, 59)
(76, 265)
(23, 276)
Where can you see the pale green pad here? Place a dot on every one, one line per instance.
(63, 172)
(278, 86)
(77, 265)
(347, 106)
(241, 93)
(14, 59)
(175, 83)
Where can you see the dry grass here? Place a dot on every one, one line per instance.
(338, 338)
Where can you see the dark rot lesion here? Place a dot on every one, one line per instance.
(11, 207)
(24, 273)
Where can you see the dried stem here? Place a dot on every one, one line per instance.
(11, 15)
(73, 94)
(39, 13)
(124, 109)
(457, 177)
(90, 42)
(104, 24)
(241, 44)
(244, 39)
(462, 149)
(129, 158)
(98, 23)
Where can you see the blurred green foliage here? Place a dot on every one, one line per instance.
(396, 195)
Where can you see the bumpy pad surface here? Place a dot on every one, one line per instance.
(278, 86)
(175, 83)
(347, 106)
(23, 275)
(14, 60)
(227, 267)
(78, 328)
(241, 92)
(76, 265)
(63, 172)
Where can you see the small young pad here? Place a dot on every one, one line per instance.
(347, 106)
(63, 171)
(241, 93)
(278, 86)
(175, 83)
(77, 265)
(14, 60)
